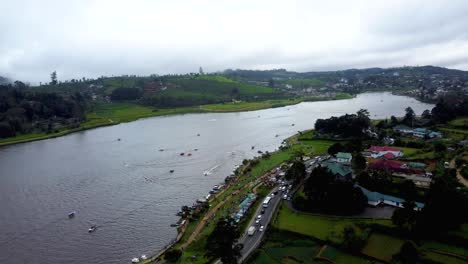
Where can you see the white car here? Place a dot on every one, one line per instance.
(285, 197)
(261, 228)
(259, 216)
(257, 222)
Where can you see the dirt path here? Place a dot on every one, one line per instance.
(213, 211)
(460, 178)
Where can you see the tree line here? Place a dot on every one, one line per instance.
(25, 111)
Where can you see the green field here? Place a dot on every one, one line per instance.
(459, 122)
(290, 248)
(325, 228)
(382, 247)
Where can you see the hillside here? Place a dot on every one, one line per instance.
(4, 80)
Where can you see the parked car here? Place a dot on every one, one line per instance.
(261, 228)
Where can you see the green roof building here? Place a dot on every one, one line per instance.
(340, 171)
(344, 157)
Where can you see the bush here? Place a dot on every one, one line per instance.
(173, 255)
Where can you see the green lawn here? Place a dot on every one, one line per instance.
(288, 248)
(321, 227)
(382, 247)
(459, 122)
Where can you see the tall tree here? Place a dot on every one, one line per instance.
(409, 116)
(297, 172)
(53, 78)
(359, 162)
(222, 242)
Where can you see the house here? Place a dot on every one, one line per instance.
(340, 171)
(344, 157)
(379, 152)
(434, 134)
(376, 199)
(420, 132)
(391, 166)
(388, 141)
(403, 129)
(424, 132)
(389, 155)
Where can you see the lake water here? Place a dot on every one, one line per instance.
(125, 186)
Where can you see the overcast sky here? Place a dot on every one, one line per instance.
(90, 38)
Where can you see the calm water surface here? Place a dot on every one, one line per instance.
(125, 186)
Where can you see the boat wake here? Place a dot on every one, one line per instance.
(210, 171)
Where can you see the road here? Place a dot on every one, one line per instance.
(252, 242)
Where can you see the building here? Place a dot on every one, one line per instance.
(344, 157)
(339, 170)
(384, 152)
(403, 129)
(376, 199)
(420, 132)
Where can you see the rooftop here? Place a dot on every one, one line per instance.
(337, 168)
(344, 155)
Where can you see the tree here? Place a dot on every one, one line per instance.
(393, 120)
(200, 70)
(359, 162)
(445, 206)
(408, 253)
(352, 239)
(173, 255)
(440, 147)
(409, 116)
(335, 148)
(271, 83)
(53, 78)
(297, 172)
(426, 114)
(221, 243)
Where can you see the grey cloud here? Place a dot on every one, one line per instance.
(94, 38)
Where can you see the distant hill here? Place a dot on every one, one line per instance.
(416, 71)
(4, 80)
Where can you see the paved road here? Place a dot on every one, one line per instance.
(253, 241)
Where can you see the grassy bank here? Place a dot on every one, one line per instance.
(106, 114)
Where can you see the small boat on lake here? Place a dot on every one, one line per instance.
(171, 171)
(190, 154)
(92, 229)
(182, 153)
(71, 214)
(135, 260)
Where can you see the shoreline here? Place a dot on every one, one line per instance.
(103, 121)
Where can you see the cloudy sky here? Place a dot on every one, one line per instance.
(111, 37)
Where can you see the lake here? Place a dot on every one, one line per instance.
(125, 187)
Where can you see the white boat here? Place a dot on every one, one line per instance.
(135, 260)
(71, 214)
(143, 257)
(92, 229)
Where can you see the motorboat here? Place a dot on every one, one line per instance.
(190, 154)
(135, 260)
(171, 171)
(182, 153)
(71, 214)
(143, 257)
(92, 229)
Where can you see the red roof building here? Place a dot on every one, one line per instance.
(384, 148)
